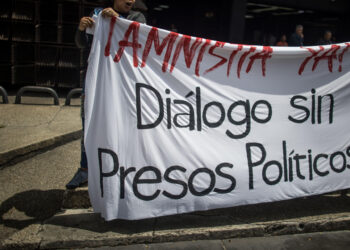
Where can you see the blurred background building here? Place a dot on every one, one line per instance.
(252, 21)
(37, 36)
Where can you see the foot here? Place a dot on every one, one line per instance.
(79, 179)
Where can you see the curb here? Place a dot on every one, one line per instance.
(69, 230)
(22, 153)
(76, 198)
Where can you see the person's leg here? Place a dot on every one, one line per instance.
(81, 176)
(83, 158)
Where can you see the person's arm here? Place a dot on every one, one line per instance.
(136, 16)
(140, 18)
(81, 38)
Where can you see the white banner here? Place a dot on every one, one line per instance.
(175, 123)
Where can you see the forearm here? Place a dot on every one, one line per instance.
(81, 39)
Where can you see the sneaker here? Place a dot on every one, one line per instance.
(79, 179)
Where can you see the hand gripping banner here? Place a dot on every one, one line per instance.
(175, 123)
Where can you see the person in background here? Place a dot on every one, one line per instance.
(173, 28)
(327, 38)
(122, 9)
(282, 41)
(297, 38)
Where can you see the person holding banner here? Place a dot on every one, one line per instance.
(83, 40)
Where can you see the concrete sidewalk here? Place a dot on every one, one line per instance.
(35, 125)
(78, 228)
(321, 241)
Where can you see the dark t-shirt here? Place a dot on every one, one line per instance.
(324, 42)
(84, 41)
(296, 40)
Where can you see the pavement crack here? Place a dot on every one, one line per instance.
(41, 229)
(38, 124)
(223, 245)
(56, 114)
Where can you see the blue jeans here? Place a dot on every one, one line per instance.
(83, 158)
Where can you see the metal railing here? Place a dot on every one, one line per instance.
(37, 89)
(71, 93)
(4, 95)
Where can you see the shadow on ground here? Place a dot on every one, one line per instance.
(258, 213)
(37, 205)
